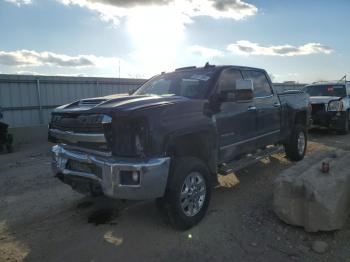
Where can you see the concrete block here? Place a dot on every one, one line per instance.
(304, 196)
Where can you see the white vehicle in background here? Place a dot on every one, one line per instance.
(330, 103)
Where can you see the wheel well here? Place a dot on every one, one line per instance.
(199, 145)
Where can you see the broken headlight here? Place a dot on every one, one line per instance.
(130, 138)
(335, 105)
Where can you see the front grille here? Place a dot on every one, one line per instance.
(319, 115)
(82, 124)
(318, 109)
(124, 137)
(77, 123)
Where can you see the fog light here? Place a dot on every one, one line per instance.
(130, 178)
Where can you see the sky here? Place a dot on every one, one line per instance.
(294, 40)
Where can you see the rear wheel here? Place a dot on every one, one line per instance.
(187, 195)
(296, 146)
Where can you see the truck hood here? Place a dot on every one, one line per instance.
(120, 103)
(323, 99)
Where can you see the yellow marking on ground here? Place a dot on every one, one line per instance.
(108, 237)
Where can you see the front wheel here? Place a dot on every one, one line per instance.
(188, 193)
(9, 146)
(345, 128)
(296, 146)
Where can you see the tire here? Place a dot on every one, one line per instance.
(189, 176)
(345, 129)
(295, 148)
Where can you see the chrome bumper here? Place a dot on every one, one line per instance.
(153, 173)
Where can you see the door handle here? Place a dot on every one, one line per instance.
(276, 104)
(251, 108)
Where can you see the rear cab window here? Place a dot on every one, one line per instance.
(326, 90)
(261, 84)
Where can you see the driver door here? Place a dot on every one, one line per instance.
(236, 121)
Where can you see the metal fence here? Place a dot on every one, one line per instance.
(29, 100)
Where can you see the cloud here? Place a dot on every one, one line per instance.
(244, 47)
(27, 72)
(19, 2)
(131, 3)
(205, 52)
(25, 58)
(227, 5)
(50, 63)
(157, 27)
(114, 10)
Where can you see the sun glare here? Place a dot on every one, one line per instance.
(157, 35)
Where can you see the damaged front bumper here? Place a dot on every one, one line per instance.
(120, 178)
(333, 120)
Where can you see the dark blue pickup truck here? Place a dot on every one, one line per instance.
(170, 138)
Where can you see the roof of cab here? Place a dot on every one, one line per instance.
(216, 68)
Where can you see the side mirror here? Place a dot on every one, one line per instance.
(244, 90)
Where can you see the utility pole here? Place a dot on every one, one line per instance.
(119, 68)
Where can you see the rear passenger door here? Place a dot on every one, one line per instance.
(267, 106)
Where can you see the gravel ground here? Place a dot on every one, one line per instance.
(42, 219)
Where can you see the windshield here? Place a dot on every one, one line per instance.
(326, 90)
(191, 84)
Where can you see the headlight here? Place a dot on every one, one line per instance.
(130, 138)
(335, 105)
(141, 140)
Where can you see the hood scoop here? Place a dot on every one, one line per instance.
(91, 102)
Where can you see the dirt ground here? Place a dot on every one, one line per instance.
(42, 219)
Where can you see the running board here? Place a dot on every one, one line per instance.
(235, 165)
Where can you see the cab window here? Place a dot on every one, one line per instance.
(227, 80)
(262, 87)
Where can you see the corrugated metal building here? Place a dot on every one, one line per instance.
(28, 100)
